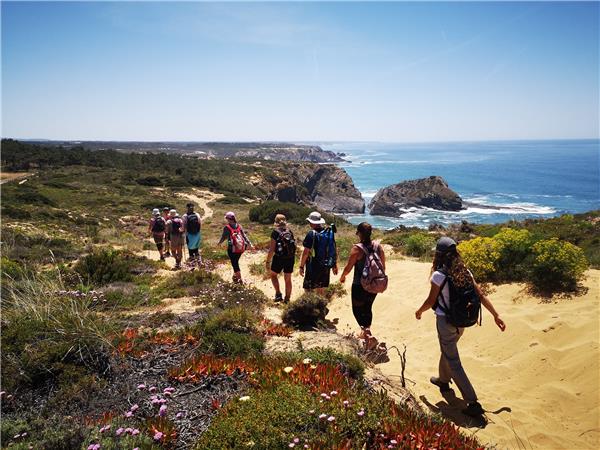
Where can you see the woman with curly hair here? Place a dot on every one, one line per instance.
(447, 264)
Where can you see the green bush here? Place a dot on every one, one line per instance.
(335, 290)
(239, 319)
(41, 433)
(232, 200)
(481, 255)
(149, 181)
(308, 311)
(419, 245)
(515, 248)
(348, 364)
(104, 266)
(265, 212)
(185, 283)
(557, 266)
(231, 343)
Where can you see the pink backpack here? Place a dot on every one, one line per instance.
(373, 278)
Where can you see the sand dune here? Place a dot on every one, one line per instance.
(538, 380)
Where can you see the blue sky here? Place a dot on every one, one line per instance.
(300, 71)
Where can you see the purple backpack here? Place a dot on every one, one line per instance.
(373, 278)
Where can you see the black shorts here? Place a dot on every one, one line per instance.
(316, 276)
(286, 264)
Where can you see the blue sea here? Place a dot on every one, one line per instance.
(519, 179)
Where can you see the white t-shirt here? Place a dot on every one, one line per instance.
(438, 278)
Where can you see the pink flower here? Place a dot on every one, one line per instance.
(296, 440)
(162, 411)
(322, 416)
(152, 389)
(393, 441)
(134, 407)
(128, 414)
(291, 445)
(323, 395)
(334, 393)
(141, 387)
(135, 432)
(331, 419)
(158, 436)
(360, 413)
(128, 430)
(346, 403)
(179, 415)
(120, 431)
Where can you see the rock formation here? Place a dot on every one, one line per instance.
(432, 192)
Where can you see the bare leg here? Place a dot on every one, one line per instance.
(275, 281)
(288, 285)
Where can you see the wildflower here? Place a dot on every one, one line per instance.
(313, 366)
(179, 415)
(152, 389)
(322, 416)
(390, 446)
(312, 411)
(393, 441)
(23, 434)
(307, 360)
(155, 401)
(134, 408)
(119, 431)
(141, 387)
(334, 393)
(128, 430)
(128, 414)
(135, 432)
(245, 398)
(158, 436)
(162, 411)
(360, 413)
(288, 369)
(331, 419)
(346, 403)
(105, 428)
(306, 446)
(296, 440)
(291, 445)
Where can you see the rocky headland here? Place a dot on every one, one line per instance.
(431, 192)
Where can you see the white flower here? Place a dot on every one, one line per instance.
(288, 369)
(307, 360)
(245, 398)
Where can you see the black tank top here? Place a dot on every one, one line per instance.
(359, 266)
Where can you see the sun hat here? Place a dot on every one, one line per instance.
(315, 218)
(173, 213)
(155, 212)
(445, 244)
(166, 208)
(230, 215)
(280, 220)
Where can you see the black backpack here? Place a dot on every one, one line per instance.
(193, 224)
(159, 225)
(464, 304)
(285, 245)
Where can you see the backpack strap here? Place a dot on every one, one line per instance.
(437, 303)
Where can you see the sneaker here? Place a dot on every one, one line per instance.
(278, 297)
(473, 409)
(444, 387)
(286, 300)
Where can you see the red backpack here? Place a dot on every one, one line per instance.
(373, 278)
(238, 240)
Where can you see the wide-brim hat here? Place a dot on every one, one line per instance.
(315, 218)
(173, 213)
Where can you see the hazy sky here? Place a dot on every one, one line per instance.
(300, 71)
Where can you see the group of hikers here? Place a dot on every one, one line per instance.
(454, 296)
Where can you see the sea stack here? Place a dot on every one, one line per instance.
(432, 192)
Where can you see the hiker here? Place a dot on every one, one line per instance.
(237, 243)
(281, 257)
(176, 236)
(368, 260)
(191, 225)
(456, 299)
(319, 255)
(166, 217)
(157, 227)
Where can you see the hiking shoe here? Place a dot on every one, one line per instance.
(166, 255)
(286, 300)
(278, 297)
(444, 387)
(473, 409)
(162, 258)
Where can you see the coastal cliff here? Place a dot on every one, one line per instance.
(326, 186)
(432, 192)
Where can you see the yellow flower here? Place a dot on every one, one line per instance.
(288, 369)
(313, 366)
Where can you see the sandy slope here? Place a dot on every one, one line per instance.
(540, 376)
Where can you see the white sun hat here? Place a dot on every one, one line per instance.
(315, 218)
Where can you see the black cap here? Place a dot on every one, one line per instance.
(445, 244)
(190, 205)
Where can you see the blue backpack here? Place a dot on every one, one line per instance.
(324, 246)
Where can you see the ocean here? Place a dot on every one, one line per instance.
(521, 179)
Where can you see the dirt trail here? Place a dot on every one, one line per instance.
(6, 177)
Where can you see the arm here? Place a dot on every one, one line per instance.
(382, 257)
(335, 268)
(270, 254)
(303, 259)
(354, 255)
(224, 235)
(431, 298)
(488, 305)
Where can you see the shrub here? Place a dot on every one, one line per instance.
(348, 364)
(265, 212)
(515, 247)
(238, 319)
(335, 290)
(231, 343)
(232, 200)
(308, 311)
(149, 181)
(419, 244)
(557, 265)
(481, 255)
(185, 283)
(104, 266)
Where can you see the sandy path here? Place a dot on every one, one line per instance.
(6, 177)
(544, 367)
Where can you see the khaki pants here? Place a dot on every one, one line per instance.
(450, 365)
